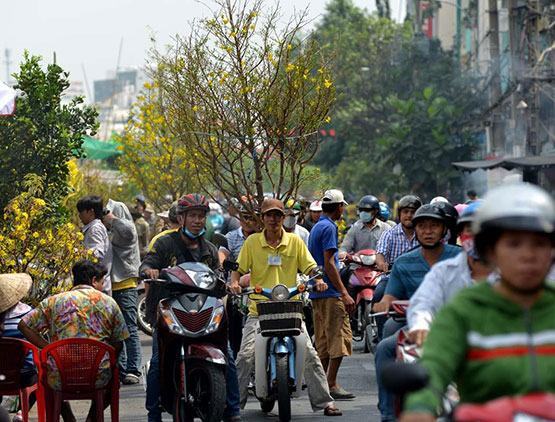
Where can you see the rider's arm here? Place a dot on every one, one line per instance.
(244, 261)
(428, 299)
(382, 251)
(394, 290)
(444, 353)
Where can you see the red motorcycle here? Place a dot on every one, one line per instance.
(362, 278)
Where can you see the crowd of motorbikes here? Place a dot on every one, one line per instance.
(192, 326)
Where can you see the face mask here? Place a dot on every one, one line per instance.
(467, 243)
(366, 217)
(190, 235)
(289, 221)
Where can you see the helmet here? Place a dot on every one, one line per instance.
(518, 206)
(192, 201)
(172, 213)
(467, 216)
(292, 204)
(439, 199)
(385, 212)
(369, 202)
(460, 208)
(429, 211)
(316, 206)
(410, 201)
(451, 213)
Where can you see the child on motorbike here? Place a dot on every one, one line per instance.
(497, 339)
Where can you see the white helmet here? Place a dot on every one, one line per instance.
(519, 206)
(439, 199)
(316, 206)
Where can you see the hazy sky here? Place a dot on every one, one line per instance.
(88, 34)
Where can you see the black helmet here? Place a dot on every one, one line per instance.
(410, 201)
(429, 211)
(451, 213)
(369, 202)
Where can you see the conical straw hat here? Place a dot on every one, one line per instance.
(13, 288)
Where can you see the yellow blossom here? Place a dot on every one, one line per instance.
(327, 83)
(327, 119)
(290, 67)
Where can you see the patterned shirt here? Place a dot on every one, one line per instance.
(235, 240)
(395, 242)
(82, 312)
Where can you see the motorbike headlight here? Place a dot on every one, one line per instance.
(217, 317)
(171, 322)
(203, 280)
(280, 292)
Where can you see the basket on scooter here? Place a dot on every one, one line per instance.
(280, 319)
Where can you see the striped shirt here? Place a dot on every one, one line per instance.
(13, 316)
(235, 240)
(395, 242)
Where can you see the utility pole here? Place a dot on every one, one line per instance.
(497, 144)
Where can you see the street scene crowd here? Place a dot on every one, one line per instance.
(281, 218)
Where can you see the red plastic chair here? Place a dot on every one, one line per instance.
(78, 362)
(13, 352)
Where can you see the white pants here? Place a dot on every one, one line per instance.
(316, 380)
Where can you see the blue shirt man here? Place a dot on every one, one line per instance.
(323, 236)
(409, 271)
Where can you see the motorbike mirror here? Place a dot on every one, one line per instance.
(230, 265)
(368, 259)
(401, 378)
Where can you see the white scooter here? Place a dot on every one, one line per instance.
(280, 347)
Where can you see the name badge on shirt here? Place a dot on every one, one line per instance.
(274, 260)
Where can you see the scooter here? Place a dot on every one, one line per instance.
(363, 278)
(192, 338)
(280, 346)
(403, 378)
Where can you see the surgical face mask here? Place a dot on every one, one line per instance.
(467, 243)
(366, 216)
(191, 235)
(289, 221)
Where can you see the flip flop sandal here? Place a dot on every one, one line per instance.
(332, 411)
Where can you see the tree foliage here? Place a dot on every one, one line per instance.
(43, 134)
(248, 95)
(406, 111)
(155, 159)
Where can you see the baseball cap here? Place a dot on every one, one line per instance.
(316, 206)
(334, 196)
(271, 204)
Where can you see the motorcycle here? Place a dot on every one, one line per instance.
(403, 378)
(192, 338)
(280, 348)
(362, 277)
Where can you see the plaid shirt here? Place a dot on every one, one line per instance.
(395, 242)
(235, 240)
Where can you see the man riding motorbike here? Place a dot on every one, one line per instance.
(497, 339)
(365, 233)
(185, 245)
(273, 257)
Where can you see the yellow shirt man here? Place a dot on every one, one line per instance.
(269, 266)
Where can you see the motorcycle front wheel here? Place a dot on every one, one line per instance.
(206, 384)
(282, 380)
(141, 315)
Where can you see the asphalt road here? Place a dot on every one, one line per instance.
(356, 375)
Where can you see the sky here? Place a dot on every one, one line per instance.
(86, 35)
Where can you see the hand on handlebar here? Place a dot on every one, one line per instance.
(152, 273)
(380, 307)
(342, 255)
(234, 288)
(348, 302)
(320, 285)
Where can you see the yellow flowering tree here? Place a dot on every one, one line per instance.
(154, 159)
(247, 94)
(32, 243)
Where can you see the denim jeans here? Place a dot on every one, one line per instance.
(385, 353)
(153, 385)
(130, 357)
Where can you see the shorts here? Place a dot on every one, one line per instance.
(332, 329)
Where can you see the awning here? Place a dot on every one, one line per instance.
(529, 163)
(95, 149)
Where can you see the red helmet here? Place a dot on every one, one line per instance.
(192, 201)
